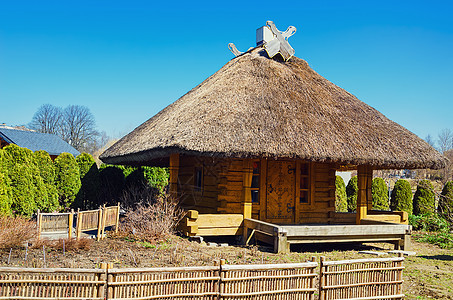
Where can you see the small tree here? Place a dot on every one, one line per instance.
(401, 198)
(46, 169)
(156, 177)
(351, 192)
(379, 194)
(424, 198)
(341, 201)
(67, 179)
(445, 208)
(89, 177)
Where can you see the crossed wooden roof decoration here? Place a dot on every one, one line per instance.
(279, 44)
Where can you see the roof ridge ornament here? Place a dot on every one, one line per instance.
(273, 41)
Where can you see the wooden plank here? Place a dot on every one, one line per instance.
(219, 231)
(263, 180)
(174, 168)
(297, 194)
(247, 183)
(344, 230)
(262, 226)
(218, 220)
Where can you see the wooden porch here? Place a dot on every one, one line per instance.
(281, 237)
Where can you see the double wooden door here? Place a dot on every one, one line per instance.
(280, 191)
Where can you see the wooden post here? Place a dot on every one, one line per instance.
(39, 221)
(99, 223)
(104, 220)
(247, 169)
(79, 224)
(110, 279)
(102, 277)
(280, 241)
(71, 222)
(117, 223)
(362, 176)
(312, 279)
(174, 169)
(322, 295)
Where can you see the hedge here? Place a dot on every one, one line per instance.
(379, 193)
(67, 179)
(351, 192)
(341, 201)
(401, 198)
(424, 198)
(46, 169)
(5, 188)
(87, 197)
(445, 208)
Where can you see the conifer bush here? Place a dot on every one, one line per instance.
(424, 198)
(341, 201)
(67, 179)
(401, 197)
(27, 187)
(112, 184)
(87, 197)
(379, 194)
(445, 208)
(5, 189)
(351, 192)
(46, 169)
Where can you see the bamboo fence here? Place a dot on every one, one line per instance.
(28, 283)
(353, 279)
(379, 278)
(96, 219)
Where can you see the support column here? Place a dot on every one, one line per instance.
(364, 179)
(247, 169)
(174, 169)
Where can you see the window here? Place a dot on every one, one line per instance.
(198, 179)
(304, 183)
(255, 187)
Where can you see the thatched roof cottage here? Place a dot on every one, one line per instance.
(261, 140)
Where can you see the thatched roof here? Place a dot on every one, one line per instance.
(259, 107)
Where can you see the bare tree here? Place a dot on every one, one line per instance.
(47, 119)
(78, 127)
(445, 140)
(429, 139)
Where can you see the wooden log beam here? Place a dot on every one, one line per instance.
(174, 169)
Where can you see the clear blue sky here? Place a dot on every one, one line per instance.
(126, 60)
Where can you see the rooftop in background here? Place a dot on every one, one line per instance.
(35, 141)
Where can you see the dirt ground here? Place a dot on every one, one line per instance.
(428, 275)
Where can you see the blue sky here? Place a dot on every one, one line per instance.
(126, 60)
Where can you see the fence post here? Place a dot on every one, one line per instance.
(79, 225)
(99, 223)
(322, 296)
(221, 263)
(104, 220)
(110, 279)
(70, 222)
(312, 279)
(117, 218)
(102, 277)
(39, 221)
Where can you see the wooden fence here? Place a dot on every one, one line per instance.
(96, 219)
(379, 278)
(352, 279)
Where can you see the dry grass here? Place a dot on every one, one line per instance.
(15, 231)
(66, 244)
(152, 222)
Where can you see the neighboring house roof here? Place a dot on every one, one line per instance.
(260, 107)
(34, 141)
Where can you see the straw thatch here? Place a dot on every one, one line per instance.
(259, 107)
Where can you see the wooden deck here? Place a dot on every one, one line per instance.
(282, 236)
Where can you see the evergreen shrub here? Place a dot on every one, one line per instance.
(67, 179)
(351, 192)
(5, 188)
(445, 208)
(424, 198)
(379, 193)
(401, 197)
(341, 201)
(87, 197)
(46, 170)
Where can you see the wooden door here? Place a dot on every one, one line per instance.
(280, 191)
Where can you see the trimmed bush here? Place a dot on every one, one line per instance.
(351, 192)
(379, 193)
(401, 198)
(424, 198)
(341, 201)
(67, 179)
(157, 177)
(46, 169)
(5, 189)
(445, 208)
(87, 197)
(24, 179)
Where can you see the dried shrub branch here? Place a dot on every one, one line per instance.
(15, 231)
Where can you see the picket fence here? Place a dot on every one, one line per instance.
(352, 279)
(97, 219)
